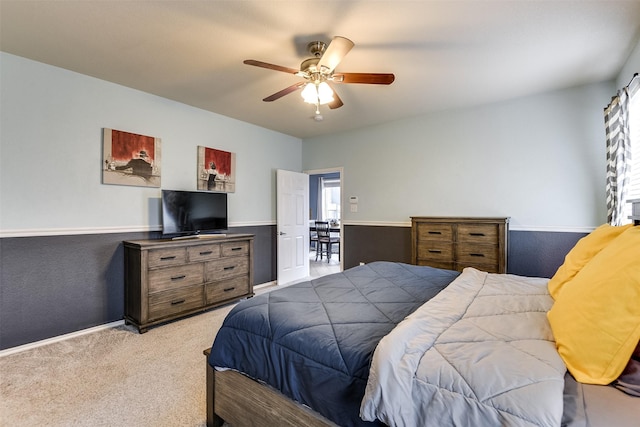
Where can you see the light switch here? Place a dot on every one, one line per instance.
(354, 208)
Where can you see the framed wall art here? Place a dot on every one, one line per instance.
(216, 170)
(130, 159)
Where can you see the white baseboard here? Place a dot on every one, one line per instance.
(265, 285)
(59, 338)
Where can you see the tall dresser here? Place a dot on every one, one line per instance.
(169, 279)
(454, 243)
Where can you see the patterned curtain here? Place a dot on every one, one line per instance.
(616, 118)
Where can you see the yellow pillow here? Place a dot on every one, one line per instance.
(585, 249)
(596, 318)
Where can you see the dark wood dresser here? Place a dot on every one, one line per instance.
(169, 279)
(454, 243)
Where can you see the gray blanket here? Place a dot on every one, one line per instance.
(479, 353)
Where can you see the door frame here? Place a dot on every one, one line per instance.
(340, 171)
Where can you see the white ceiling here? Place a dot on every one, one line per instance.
(444, 54)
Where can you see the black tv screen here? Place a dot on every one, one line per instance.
(193, 212)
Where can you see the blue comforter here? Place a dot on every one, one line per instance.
(314, 341)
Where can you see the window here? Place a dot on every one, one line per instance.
(330, 195)
(633, 191)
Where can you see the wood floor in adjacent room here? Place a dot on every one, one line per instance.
(322, 267)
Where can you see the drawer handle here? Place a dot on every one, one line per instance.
(167, 258)
(435, 232)
(178, 277)
(433, 251)
(476, 234)
(206, 253)
(236, 249)
(479, 255)
(180, 301)
(229, 268)
(229, 289)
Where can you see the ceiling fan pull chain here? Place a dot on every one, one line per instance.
(318, 117)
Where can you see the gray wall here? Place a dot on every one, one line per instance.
(55, 285)
(530, 253)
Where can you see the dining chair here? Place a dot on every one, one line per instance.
(325, 240)
(313, 240)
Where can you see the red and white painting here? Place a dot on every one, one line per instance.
(216, 170)
(130, 159)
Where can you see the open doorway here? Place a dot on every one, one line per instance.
(325, 204)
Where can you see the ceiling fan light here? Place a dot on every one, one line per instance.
(317, 93)
(310, 93)
(325, 94)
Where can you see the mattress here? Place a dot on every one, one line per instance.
(588, 405)
(313, 341)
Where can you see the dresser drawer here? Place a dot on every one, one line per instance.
(435, 231)
(175, 277)
(437, 264)
(203, 252)
(173, 301)
(234, 248)
(435, 250)
(474, 254)
(167, 257)
(478, 233)
(226, 289)
(225, 268)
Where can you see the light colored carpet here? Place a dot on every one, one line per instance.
(117, 377)
(113, 377)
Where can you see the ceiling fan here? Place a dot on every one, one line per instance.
(320, 70)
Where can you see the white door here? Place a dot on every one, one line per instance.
(292, 225)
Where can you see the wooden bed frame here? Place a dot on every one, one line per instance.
(241, 401)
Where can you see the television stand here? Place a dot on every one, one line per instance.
(169, 279)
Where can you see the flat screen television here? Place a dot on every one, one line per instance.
(191, 213)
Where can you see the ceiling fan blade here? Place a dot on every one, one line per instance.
(284, 92)
(336, 103)
(270, 66)
(335, 52)
(365, 78)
